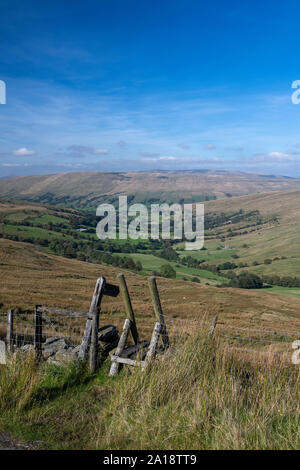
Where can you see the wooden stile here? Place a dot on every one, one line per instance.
(129, 362)
(95, 312)
(128, 307)
(63, 312)
(158, 310)
(94, 308)
(153, 345)
(123, 338)
(120, 355)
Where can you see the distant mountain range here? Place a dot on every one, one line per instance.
(87, 190)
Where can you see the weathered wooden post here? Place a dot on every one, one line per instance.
(38, 333)
(2, 353)
(213, 327)
(102, 288)
(95, 312)
(153, 345)
(158, 310)
(128, 307)
(10, 331)
(123, 338)
(85, 344)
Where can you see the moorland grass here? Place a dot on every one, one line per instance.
(197, 396)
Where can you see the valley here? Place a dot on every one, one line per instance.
(50, 255)
(253, 233)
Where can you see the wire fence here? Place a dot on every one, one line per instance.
(52, 330)
(21, 326)
(251, 340)
(62, 332)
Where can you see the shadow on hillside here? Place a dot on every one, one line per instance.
(57, 380)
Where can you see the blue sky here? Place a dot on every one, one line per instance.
(139, 85)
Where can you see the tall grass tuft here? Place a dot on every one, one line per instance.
(18, 381)
(202, 397)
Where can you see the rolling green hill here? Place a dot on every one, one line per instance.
(276, 238)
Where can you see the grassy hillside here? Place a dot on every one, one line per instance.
(206, 395)
(276, 238)
(56, 231)
(200, 397)
(87, 190)
(33, 277)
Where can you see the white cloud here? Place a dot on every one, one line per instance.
(10, 164)
(172, 159)
(277, 156)
(164, 158)
(23, 151)
(149, 154)
(101, 151)
(81, 150)
(169, 158)
(15, 164)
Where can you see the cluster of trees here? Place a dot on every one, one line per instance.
(124, 262)
(285, 281)
(214, 220)
(246, 280)
(20, 238)
(86, 252)
(166, 270)
(268, 260)
(191, 262)
(211, 267)
(57, 227)
(226, 266)
(169, 254)
(88, 219)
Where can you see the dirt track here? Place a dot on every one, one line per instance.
(8, 443)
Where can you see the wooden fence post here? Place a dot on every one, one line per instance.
(115, 366)
(128, 307)
(2, 353)
(153, 345)
(213, 327)
(38, 333)
(95, 313)
(85, 343)
(158, 310)
(95, 305)
(10, 331)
